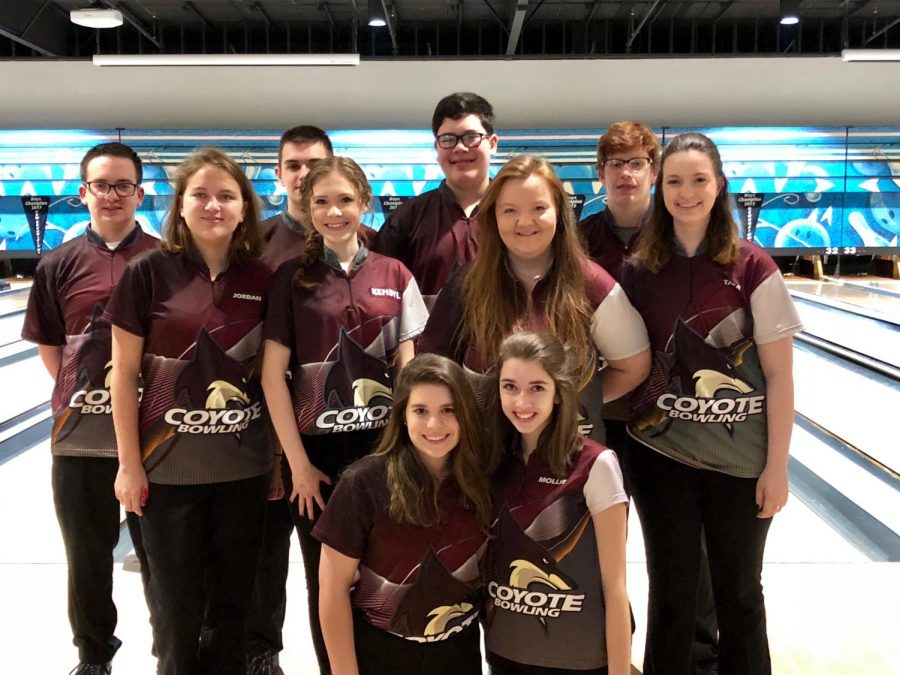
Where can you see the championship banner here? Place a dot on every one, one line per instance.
(750, 203)
(36, 209)
(391, 203)
(577, 204)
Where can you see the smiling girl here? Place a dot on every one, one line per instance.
(531, 272)
(555, 568)
(342, 320)
(194, 456)
(713, 422)
(409, 524)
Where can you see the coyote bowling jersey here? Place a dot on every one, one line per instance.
(418, 582)
(202, 418)
(343, 336)
(704, 403)
(542, 570)
(72, 285)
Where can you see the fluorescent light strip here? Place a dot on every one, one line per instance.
(226, 59)
(871, 55)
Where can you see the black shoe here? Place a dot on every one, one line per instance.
(92, 669)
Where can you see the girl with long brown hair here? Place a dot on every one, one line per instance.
(342, 320)
(409, 523)
(712, 424)
(531, 272)
(194, 452)
(555, 567)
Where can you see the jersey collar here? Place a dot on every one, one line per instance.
(96, 240)
(330, 258)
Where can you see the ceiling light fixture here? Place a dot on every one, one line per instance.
(790, 12)
(96, 16)
(377, 18)
(226, 59)
(870, 55)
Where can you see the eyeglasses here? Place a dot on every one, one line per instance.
(636, 164)
(470, 139)
(101, 188)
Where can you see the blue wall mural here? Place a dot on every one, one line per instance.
(798, 190)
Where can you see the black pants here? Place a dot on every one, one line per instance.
(381, 653)
(88, 515)
(331, 454)
(676, 503)
(705, 649)
(501, 666)
(265, 621)
(202, 546)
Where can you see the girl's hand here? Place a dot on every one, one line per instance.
(771, 491)
(306, 480)
(131, 488)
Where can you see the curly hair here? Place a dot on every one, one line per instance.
(308, 275)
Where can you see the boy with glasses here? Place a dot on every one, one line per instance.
(627, 164)
(72, 285)
(434, 233)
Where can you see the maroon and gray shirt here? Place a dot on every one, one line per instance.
(604, 245)
(544, 604)
(202, 416)
(72, 285)
(343, 336)
(418, 582)
(704, 403)
(432, 236)
(616, 330)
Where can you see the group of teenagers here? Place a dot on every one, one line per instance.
(426, 406)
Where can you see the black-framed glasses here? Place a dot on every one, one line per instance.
(469, 139)
(636, 164)
(101, 188)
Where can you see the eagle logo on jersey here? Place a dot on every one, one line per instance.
(210, 397)
(416, 614)
(537, 586)
(357, 391)
(697, 382)
(356, 378)
(211, 379)
(703, 369)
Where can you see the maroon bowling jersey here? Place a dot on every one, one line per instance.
(284, 238)
(604, 246)
(704, 403)
(432, 236)
(202, 416)
(72, 285)
(616, 331)
(544, 604)
(343, 336)
(418, 582)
